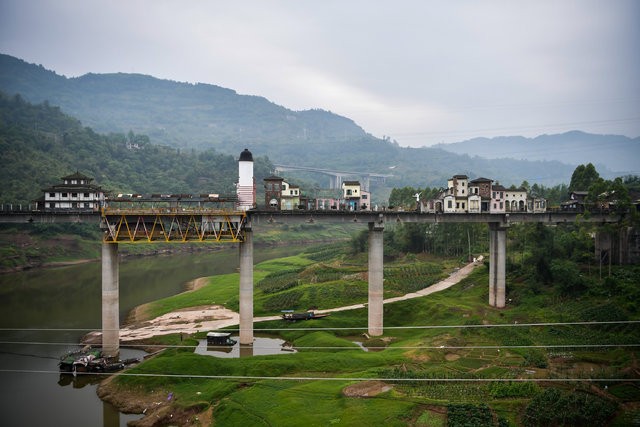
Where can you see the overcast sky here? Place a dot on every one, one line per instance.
(418, 71)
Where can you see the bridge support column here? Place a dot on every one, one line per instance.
(246, 287)
(110, 300)
(376, 288)
(497, 257)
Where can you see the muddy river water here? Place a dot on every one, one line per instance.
(44, 312)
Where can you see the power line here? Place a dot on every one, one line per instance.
(342, 379)
(365, 328)
(418, 347)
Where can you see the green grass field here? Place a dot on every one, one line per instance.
(438, 376)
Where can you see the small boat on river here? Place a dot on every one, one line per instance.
(291, 316)
(88, 359)
(220, 338)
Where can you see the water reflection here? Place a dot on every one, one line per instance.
(262, 346)
(70, 298)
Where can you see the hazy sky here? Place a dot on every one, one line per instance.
(418, 71)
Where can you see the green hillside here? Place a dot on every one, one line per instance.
(438, 362)
(203, 116)
(39, 144)
(173, 113)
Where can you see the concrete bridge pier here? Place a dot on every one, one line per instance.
(497, 258)
(110, 300)
(246, 287)
(376, 254)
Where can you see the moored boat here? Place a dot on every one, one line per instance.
(91, 360)
(220, 338)
(307, 315)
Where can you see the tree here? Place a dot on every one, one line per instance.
(583, 177)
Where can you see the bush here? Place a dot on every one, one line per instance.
(535, 358)
(465, 415)
(553, 407)
(279, 281)
(513, 389)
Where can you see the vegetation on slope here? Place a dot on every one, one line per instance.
(40, 144)
(201, 116)
(459, 373)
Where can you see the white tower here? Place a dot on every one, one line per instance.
(246, 188)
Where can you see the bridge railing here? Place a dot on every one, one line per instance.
(175, 210)
(18, 207)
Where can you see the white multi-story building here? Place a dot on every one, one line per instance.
(290, 197)
(75, 192)
(515, 200)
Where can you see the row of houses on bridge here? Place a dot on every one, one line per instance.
(481, 195)
(279, 195)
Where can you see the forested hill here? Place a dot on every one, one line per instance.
(39, 144)
(200, 116)
(177, 114)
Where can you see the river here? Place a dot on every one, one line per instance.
(70, 298)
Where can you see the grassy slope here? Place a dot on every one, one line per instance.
(284, 402)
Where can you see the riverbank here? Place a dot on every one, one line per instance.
(157, 406)
(204, 318)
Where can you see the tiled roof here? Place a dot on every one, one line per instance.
(73, 188)
(78, 176)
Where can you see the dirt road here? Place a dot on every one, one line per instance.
(214, 317)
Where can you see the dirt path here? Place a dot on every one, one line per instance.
(195, 319)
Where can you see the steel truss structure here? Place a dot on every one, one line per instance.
(172, 226)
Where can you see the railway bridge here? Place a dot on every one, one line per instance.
(199, 224)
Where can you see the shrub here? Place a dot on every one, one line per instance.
(513, 389)
(535, 358)
(553, 407)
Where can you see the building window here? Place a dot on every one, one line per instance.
(364, 197)
(449, 204)
(74, 195)
(86, 195)
(52, 194)
(64, 195)
(52, 205)
(501, 205)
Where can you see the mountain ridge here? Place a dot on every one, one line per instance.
(201, 116)
(581, 146)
